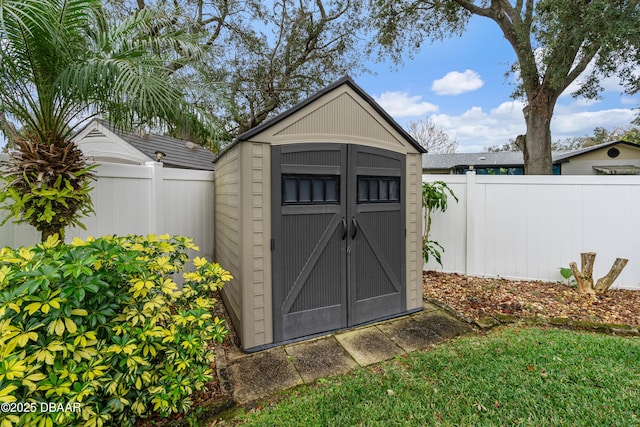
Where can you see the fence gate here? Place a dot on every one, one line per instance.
(338, 227)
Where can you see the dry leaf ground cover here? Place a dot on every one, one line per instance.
(481, 298)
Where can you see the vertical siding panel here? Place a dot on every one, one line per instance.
(414, 231)
(257, 245)
(256, 326)
(228, 230)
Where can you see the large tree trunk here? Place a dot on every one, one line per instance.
(537, 144)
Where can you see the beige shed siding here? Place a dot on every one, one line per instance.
(341, 117)
(344, 116)
(257, 328)
(228, 228)
(243, 196)
(414, 231)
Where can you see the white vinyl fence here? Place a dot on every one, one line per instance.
(142, 199)
(523, 227)
(527, 227)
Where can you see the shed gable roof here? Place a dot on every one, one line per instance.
(336, 110)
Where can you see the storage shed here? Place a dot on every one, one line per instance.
(318, 218)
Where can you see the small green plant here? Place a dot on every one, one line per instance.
(100, 325)
(567, 275)
(434, 197)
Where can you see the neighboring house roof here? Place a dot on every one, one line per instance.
(565, 156)
(502, 158)
(457, 160)
(345, 80)
(177, 153)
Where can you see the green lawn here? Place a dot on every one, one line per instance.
(513, 377)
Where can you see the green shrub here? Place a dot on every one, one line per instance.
(100, 327)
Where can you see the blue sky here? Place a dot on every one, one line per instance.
(462, 84)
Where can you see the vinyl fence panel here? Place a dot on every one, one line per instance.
(188, 206)
(122, 202)
(132, 199)
(528, 227)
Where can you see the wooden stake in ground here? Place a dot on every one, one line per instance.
(584, 278)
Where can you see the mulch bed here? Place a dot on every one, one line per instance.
(479, 298)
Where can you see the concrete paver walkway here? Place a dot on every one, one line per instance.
(254, 376)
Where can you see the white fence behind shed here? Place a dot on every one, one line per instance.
(140, 200)
(523, 227)
(527, 227)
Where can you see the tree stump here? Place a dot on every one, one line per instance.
(584, 277)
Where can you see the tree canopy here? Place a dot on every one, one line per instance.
(556, 42)
(264, 56)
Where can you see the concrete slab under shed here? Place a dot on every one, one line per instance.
(255, 376)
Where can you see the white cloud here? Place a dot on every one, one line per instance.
(477, 129)
(400, 104)
(569, 124)
(628, 100)
(508, 110)
(455, 83)
(584, 102)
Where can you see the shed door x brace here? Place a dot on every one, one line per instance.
(338, 227)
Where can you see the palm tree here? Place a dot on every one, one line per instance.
(63, 63)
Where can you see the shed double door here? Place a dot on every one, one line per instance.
(338, 227)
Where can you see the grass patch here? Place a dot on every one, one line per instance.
(515, 376)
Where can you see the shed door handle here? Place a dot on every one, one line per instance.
(354, 224)
(344, 228)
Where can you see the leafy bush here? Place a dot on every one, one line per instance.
(100, 327)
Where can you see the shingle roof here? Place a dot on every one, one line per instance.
(450, 161)
(178, 153)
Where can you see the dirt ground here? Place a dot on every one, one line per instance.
(477, 297)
